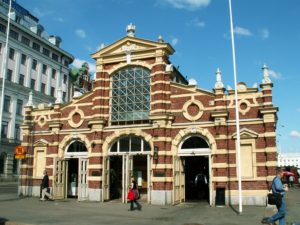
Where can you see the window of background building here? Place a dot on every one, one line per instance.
(11, 54)
(64, 96)
(65, 78)
(53, 73)
(55, 57)
(0, 48)
(34, 64)
(44, 71)
(66, 62)
(23, 59)
(52, 91)
(9, 75)
(21, 79)
(17, 132)
(25, 40)
(32, 84)
(46, 52)
(43, 88)
(6, 106)
(36, 46)
(2, 28)
(4, 129)
(19, 109)
(13, 34)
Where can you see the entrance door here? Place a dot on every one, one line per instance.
(179, 180)
(106, 180)
(59, 187)
(127, 174)
(196, 178)
(82, 183)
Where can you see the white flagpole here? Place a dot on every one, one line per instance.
(3, 69)
(238, 144)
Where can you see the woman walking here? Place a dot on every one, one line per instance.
(133, 195)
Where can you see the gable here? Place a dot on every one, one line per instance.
(246, 134)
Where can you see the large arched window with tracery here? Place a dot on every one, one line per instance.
(130, 96)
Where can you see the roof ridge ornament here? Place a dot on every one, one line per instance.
(266, 79)
(130, 29)
(219, 84)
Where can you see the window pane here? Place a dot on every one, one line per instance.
(114, 148)
(136, 144)
(124, 144)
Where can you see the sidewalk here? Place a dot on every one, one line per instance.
(67, 212)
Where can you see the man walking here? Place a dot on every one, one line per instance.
(45, 186)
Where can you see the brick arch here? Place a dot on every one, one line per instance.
(123, 65)
(117, 134)
(193, 131)
(69, 138)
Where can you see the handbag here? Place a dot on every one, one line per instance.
(274, 199)
(130, 195)
(136, 194)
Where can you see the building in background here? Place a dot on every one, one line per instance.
(143, 120)
(35, 63)
(289, 160)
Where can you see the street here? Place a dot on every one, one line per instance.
(15, 211)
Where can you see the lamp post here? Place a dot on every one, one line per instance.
(238, 144)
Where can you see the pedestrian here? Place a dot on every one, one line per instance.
(45, 186)
(292, 181)
(278, 187)
(133, 195)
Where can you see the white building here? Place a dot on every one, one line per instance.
(289, 159)
(35, 63)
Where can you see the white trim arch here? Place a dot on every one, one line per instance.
(75, 154)
(193, 151)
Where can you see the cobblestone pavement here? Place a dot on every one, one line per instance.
(21, 211)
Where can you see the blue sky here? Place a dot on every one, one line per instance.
(266, 31)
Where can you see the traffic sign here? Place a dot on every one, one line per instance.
(20, 152)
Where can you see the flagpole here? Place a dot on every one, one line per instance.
(238, 144)
(3, 69)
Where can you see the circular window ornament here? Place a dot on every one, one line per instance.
(244, 106)
(192, 110)
(42, 121)
(76, 118)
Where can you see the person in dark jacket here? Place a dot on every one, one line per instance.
(136, 195)
(45, 186)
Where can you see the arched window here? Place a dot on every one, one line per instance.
(130, 144)
(77, 147)
(130, 96)
(2, 162)
(194, 142)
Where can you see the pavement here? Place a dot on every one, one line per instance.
(31, 211)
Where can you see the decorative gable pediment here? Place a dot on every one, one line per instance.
(136, 47)
(41, 143)
(246, 134)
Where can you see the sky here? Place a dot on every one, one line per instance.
(266, 31)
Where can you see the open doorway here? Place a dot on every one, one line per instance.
(140, 175)
(115, 177)
(196, 178)
(72, 178)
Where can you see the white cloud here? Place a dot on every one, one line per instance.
(174, 41)
(264, 33)
(295, 134)
(78, 63)
(197, 23)
(242, 31)
(188, 4)
(80, 33)
(40, 13)
(298, 110)
(275, 75)
(59, 19)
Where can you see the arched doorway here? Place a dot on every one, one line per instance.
(128, 158)
(194, 166)
(71, 172)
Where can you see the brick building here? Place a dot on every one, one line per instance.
(143, 119)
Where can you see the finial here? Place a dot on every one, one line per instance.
(266, 79)
(102, 45)
(59, 99)
(30, 102)
(219, 83)
(130, 29)
(160, 39)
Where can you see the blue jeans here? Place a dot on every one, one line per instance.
(280, 215)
